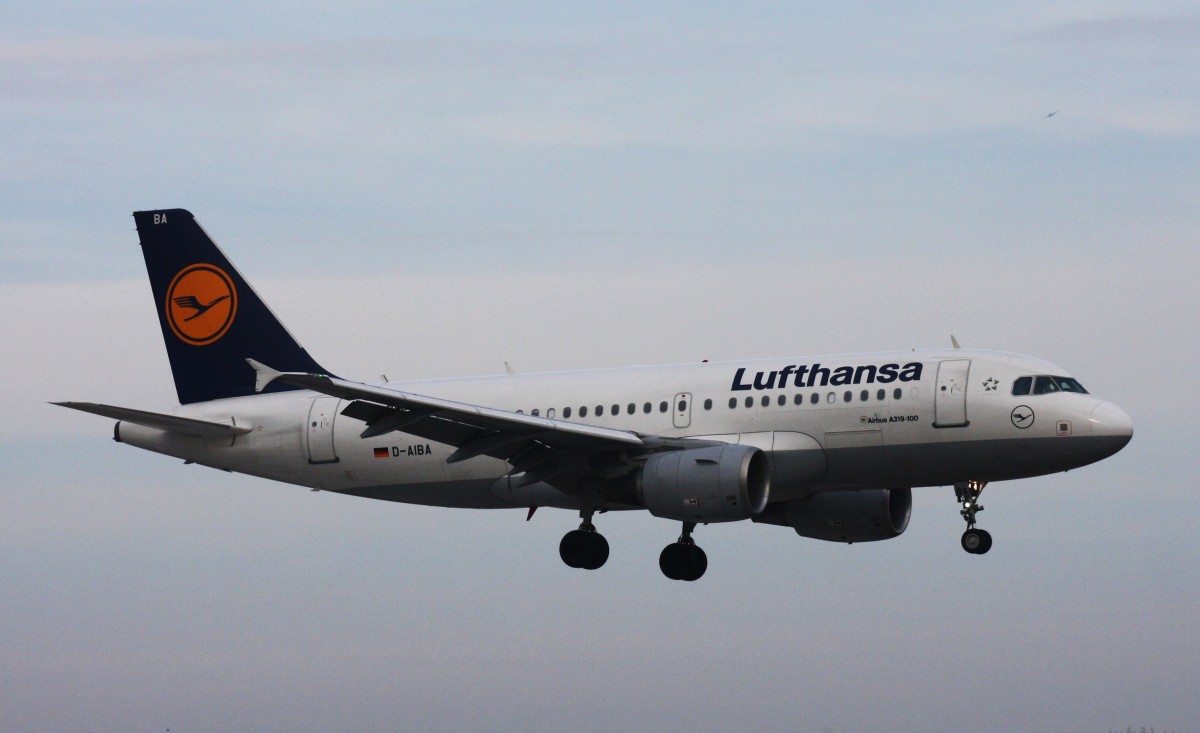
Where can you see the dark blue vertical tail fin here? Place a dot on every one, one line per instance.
(211, 319)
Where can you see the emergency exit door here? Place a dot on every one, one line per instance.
(950, 394)
(319, 430)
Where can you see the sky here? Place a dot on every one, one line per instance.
(435, 189)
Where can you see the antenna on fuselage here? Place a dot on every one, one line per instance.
(954, 342)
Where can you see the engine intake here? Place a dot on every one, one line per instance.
(846, 516)
(722, 483)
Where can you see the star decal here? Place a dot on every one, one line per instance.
(991, 384)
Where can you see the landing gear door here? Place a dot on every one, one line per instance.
(682, 409)
(950, 395)
(319, 430)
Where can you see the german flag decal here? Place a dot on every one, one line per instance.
(382, 452)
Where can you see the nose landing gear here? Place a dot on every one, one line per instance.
(975, 541)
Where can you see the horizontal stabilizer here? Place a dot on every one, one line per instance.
(169, 423)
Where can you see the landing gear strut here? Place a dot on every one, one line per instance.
(584, 547)
(974, 541)
(683, 560)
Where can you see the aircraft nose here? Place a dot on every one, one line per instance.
(1110, 421)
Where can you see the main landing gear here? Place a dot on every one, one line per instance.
(974, 541)
(584, 547)
(683, 560)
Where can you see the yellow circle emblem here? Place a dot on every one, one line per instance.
(201, 304)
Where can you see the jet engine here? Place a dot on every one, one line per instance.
(720, 483)
(845, 516)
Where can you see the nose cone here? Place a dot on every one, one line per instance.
(1110, 421)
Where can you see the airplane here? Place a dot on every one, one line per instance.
(831, 445)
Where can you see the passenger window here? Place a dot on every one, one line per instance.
(616, 410)
(782, 400)
(799, 400)
(864, 395)
(566, 412)
(631, 409)
(897, 393)
(550, 413)
(847, 396)
(599, 410)
(646, 408)
(732, 402)
(749, 402)
(815, 398)
(1044, 385)
(1021, 386)
(534, 412)
(708, 404)
(662, 406)
(766, 401)
(583, 411)
(881, 394)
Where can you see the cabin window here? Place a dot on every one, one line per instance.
(631, 409)
(616, 410)
(831, 398)
(847, 396)
(550, 413)
(646, 408)
(749, 402)
(864, 395)
(815, 398)
(662, 406)
(732, 402)
(881, 394)
(799, 399)
(599, 410)
(1022, 385)
(897, 393)
(766, 401)
(566, 412)
(782, 400)
(708, 404)
(583, 411)
(535, 412)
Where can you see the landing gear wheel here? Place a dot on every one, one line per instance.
(583, 549)
(680, 561)
(976, 541)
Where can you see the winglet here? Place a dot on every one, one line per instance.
(263, 375)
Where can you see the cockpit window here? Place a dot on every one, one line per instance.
(1045, 384)
(1067, 384)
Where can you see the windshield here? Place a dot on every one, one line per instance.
(1046, 384)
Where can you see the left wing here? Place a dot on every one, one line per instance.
(541, 448)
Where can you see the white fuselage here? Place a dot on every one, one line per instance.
(883, 420)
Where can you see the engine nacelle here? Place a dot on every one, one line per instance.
(845, 516)
(721, 483)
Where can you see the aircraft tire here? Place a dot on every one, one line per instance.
(679, 561)
(582, 549)
(976, 541)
